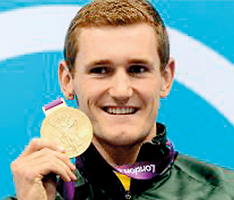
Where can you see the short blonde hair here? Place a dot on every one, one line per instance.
(101, 13)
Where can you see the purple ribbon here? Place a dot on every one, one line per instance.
(147, 170)
(69, 191)
(53, 104)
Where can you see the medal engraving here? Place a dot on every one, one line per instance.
(70, 128)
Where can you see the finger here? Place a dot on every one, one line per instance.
(41, 163)
(38, 144)
(44, 153)
(45, 165)
(45, 158)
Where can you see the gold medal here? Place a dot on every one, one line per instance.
(69, 128)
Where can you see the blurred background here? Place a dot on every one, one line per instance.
(198, 113)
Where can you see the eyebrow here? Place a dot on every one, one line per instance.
(139, 61)
(99, 63)
(108, 62)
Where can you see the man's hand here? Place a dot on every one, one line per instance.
(35, 169)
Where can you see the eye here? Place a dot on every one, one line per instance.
(102, 70)
(137, 69)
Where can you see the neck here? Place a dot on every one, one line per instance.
(117, 155)
(121, 154)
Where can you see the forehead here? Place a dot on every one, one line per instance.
(138, 41)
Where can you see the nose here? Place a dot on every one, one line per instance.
(121, 86)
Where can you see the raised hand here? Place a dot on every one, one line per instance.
(35, 169)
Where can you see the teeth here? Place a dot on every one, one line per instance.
(120, 111)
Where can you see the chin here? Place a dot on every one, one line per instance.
(123, 138)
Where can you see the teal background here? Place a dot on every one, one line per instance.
(196, 128)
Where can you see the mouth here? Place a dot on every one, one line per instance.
(120, 110)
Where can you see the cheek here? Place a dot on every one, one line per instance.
(87, 93)
(81, 93)
(150, 92)
(155, 104)
(154, 101)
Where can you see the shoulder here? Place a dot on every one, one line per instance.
(209, 175)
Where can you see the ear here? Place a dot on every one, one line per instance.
(168, 77)
(65, 79)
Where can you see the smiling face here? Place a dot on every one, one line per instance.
(118, 82)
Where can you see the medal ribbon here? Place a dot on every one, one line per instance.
(147, 170)
(47, 109)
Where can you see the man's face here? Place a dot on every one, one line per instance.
(118, 82)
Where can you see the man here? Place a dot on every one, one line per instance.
(117, 65)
